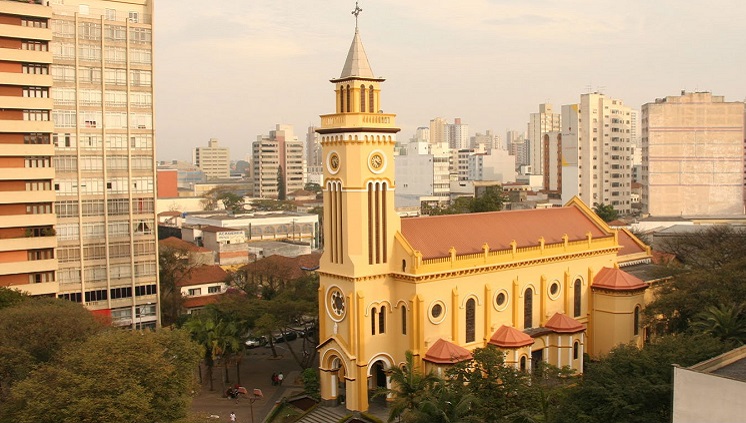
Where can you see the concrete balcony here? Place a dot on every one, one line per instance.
(28, 220)
(26, 150)
(26, 126)
(28, 243)
(35, 103)
(27, 174)
(28, 267)
(25, 9)
(25, 32)
(27, 56)
(25, 79)
(22, 197)
(44, 288)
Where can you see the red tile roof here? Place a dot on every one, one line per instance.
(180, 244)
(204, 274)
(561, 323)
(617, 280)
(433, 236)
(444, 352)
(201, 301)
(510, 337)
(170, 213)
(629, 244)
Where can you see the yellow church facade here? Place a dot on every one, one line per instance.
(545, 285)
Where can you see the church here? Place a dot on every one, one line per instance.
(541, 285)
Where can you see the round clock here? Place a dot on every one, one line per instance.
(376, 162)
(333, 162)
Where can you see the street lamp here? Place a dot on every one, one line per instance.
(140, 309)
(256, 395)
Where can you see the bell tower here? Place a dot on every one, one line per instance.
(358, 150)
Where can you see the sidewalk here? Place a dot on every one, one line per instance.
(256, 373)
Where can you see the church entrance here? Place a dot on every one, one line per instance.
(536, 358)
(377, 382)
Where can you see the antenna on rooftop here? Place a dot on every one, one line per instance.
(600, 89)
(588, 88)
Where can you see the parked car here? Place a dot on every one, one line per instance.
(254, 342)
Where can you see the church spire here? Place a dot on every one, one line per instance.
(357, 65)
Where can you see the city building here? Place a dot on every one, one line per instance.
(438, 131)
(277, 164)
(213, 160)
(27, 220)
(542, 285)
(102, 69)
(313, 148)
(518, 147)
(486, 142)
(693, 156)
(187, 174)
(597, 152)
(457, 135)
(496, 166)
(539, 125)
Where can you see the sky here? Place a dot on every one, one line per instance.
(233, 69)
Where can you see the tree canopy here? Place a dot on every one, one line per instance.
(605, 212)
(492, 199)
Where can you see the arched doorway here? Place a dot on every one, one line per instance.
(338, 384)
(378, 380)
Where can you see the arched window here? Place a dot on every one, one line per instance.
(341, 99)
(348, 98)
(471, 311)
(373, 321)
(371, 100)
(577, 297)
(575, 350)
(523, 363)
(382, 320)
(528, 309)
(637, 321)
(403, 320)
(362, 98)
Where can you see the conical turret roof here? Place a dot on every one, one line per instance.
(357, 65)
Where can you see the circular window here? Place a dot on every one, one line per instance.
(501, 300)
(336, 304)
(554, 290)
(437, 312)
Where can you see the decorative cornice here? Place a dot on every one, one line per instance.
(357, 129)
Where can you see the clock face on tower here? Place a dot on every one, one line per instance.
(376, 162)
(333, 162)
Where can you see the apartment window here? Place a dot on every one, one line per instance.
(142, 162)
(36, 138)
(34, 22)
(120, 271)
(134, 17)
(90, 75)
(115, 76)
(143, 205)
(116, 99)
(140, 78)
(36, 115)
(90, 52)
(34, 45)
(115, 32)
(89, 31)
(116, 54)
(144, 248)
(93, 230)
(90, 141)
(46, 254)
(63, 96)
(68, 254)
(116, 120)
(141, 35)
(63, 28)
(94, 251)
(90, 97)
(75, 297)
(36, 92)
(92, 208)
(124, 292)
(40, 208)
(35, 68)
(213, 289)
(95, 273)
(118, 206)
(83, 9)
(111, 14)
(194, 291)
(68, 276)
(142, 227)
(38, 161)
(63, 51)
(62, 73)
(116, 163)
(145, 269)
(142, 184)
(94, 296)
(39, 186)
(141, 56)
(141, 121)
(68, 232)
(66, 208)
(141, 142)
(64, 119)
(91, 163)
(142, 290)
(119, 249)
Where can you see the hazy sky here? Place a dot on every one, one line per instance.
(232, 69)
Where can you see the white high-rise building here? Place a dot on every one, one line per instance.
(597, 152)
(102, 70)
(693, 156)
(213, 160)
(457, 135)
(540, 124)
(496, 166)
(278, 166)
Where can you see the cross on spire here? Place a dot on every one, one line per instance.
(356, 12)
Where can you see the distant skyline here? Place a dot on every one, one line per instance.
(233, 69)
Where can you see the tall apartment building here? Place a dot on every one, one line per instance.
(457, 134)
(27, 241)
(486, 142)
(213, 160)
(540, 124)
(102, 65)
(518, 147)
(438, 131)
(693, 156)
(277, 157)
(597, 151)
(313, 148)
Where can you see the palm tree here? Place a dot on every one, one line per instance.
(449, 405)
(202, 329)
(410, 389)
(225, 343)
(725, 322)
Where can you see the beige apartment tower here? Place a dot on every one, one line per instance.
(213, 160)
(540, 124)
(102, 66)
(277, 165)
(693, 156)
(27, 241)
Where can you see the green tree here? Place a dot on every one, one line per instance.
(605, 212)
(448, 404)
(231, 201)
(724, 322)
(173, 267)
(635, 385)
(492, 199)
(113, 376)
(410, 389)
(312, 187)
(10, 297)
